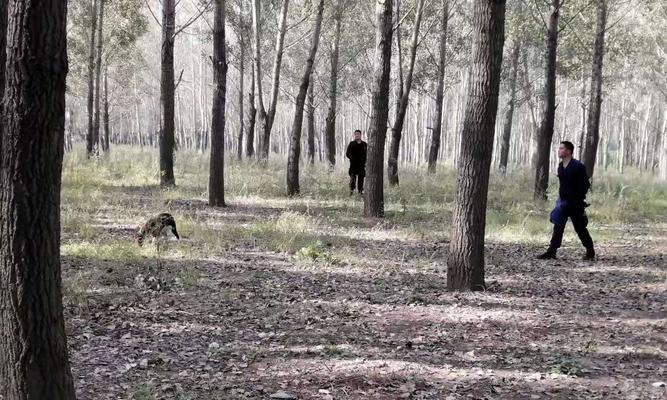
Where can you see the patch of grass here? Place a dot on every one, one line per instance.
(123, 252)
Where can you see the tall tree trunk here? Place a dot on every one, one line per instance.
(167, 91)
(3, 54)
(377, 132)
(105, 114)
(266, 118)
(593, 134)
(528, 94)
(546, 131)
(216, 183)
(465, 264)
(33, 345)
(295, 135)
(239, 150)
(397, 129)
(507, 129)
(98, 76)
(310, 117)
(330, 125)
(90, 137)
(440, 91)
(252, 115)
(257, 62)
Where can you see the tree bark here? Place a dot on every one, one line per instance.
(167, 91)
(377, 132)
(3, 54)
(216, 183)
(330, 124)
(105, 114)
(436, 133)
(90, 137)
(98, 76)
(546, 131)
(252, 115)
(266, 118)
(33, 345)
(239, 151)
(310, 117)
(593, 134)
(507, 129)
(295, 135)
(397, 129)
(465, 264)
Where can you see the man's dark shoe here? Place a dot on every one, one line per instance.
(589, 256)
(547, 255)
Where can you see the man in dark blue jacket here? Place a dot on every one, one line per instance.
(356, 152)
(574, 184)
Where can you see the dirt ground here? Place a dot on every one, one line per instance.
(369, 318)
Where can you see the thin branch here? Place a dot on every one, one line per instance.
(196, 17)
(152, 13)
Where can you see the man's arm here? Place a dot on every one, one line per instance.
(348, 151)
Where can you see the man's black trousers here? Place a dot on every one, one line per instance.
(357, 180)
(580, 222)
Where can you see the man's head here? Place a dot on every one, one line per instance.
(357, 135)
(565, 150)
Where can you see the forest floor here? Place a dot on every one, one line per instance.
(303, 298)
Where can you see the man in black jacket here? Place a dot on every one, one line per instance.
(574, 184)
(356, 152)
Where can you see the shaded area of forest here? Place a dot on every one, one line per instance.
(303, 296)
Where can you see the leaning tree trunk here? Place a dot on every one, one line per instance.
(440, 91)
(216, 182)
(397, 129)
(266, 118)
(239, 149)
(167, 92)
(465, 264)
(310, 117)
(98, 75)
(105, 114)
(507, 129)
(546, 132)
(593, 135)
(90, 137)
(330, 124)
(295, 136)
(377, 131)
(33, 345)
(252, 115)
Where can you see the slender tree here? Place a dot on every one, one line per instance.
(593, 135)
(397, 129)
(310, 117)
(330, 122)
(507, 129)
(98, 74)
(436, 133)
(266, 118)
(105, 114)
(465, 264)
(252, 115)
(239, 149)
(90, 138)
(295, 136)
(216, 183)
(167, 94)
(33, 346)
(377, 132)
(546, 131)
